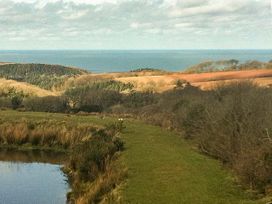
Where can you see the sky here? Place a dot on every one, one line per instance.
(135, 24)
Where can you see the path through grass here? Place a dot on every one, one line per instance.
(164, 169)
(162, 166)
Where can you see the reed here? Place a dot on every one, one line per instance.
(49, 133)
(93, 167)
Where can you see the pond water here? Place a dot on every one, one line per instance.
(32, 177)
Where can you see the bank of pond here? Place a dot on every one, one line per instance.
(50, 161)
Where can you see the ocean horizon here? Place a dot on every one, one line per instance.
(126, 60)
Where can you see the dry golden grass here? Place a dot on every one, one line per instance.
(44, 133)
(105, 184)
(154, 83)
(26, 88)
(86, 78)
(210, 85)
(83, 80)
(157, 81)
(4, 63)
(203, 80)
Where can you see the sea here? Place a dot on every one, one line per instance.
(100, 61)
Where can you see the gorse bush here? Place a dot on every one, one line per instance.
(98, 82)
(110, 85)
(92, 167)
(53, 104)
(11, 98)
(5, 103)
(234, 125)
(139, 99)
(91, 99)
(92, 154)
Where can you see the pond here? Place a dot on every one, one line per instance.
(32, 177)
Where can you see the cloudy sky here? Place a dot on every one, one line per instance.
(135, 24)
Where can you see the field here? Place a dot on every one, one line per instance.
(43, 80)
(203, 80)
(162, 167)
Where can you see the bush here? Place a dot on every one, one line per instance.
(139, 99)
(92, 165)
(91, 99)
(46, 104)
(5, 102)
(232, 123)
(16, 101)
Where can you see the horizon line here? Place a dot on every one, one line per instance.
(170, 49)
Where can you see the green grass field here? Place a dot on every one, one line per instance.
(162, 167)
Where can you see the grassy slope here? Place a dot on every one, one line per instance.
(202, 80)
(45, 76)
(26, 88)
(162, 167)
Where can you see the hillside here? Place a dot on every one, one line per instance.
(262, 77)
(51, 79)
(25, 88)
(43, 75)
(227, 65)
(5, 63)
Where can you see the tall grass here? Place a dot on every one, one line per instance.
(93, 167)
(50, 133)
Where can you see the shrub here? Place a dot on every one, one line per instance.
(231, 123)
(16, 101)
(92, 167)
(5, 102)
(46, 104)
(91, 99)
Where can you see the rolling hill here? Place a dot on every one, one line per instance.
(42, 75)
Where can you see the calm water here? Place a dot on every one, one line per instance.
(31, 182)
(112, 61)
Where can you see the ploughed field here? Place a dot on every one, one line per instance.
(162, 167)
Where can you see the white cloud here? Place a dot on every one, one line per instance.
(95, 2)
(140, 22)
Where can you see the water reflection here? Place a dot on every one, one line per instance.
(28, 156)
(32, 177)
